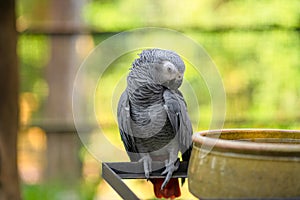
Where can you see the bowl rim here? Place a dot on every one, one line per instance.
(248, 147)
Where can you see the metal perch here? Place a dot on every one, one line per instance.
(113, 173)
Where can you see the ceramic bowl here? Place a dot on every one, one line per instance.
(245, 163)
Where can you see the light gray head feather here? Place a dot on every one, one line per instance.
(157, 56)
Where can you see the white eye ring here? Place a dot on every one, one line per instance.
(169, 66)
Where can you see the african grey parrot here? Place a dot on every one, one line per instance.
(152, 116)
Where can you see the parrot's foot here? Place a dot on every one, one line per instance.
(170, 168)
(147, 161)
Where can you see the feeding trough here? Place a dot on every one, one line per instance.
(245, 163)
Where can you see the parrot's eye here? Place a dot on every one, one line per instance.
(169, 67)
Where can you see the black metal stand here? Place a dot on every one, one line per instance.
(113, 173)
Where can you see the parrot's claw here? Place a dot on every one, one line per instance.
(147, 175)
(147, 161)
(166, 181)
(170, 168)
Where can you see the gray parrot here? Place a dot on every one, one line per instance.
(152, 116)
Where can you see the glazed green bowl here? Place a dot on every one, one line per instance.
(245, 163)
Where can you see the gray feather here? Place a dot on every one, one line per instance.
(150, 56)
(126, 133)
(177, 113)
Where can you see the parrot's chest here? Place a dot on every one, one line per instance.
(148, 120)
(156, 133)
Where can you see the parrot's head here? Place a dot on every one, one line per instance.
(165, 67)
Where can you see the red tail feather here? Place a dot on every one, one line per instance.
(171, 190)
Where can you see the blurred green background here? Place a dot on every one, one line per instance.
(255, 45)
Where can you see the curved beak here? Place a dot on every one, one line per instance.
(176, 82)
(179, 79)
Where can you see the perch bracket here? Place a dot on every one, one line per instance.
(114, 172)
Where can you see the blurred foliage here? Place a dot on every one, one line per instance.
(181, 15)
(259, 70)
(58, 191)
(34, 53)
(254, 43)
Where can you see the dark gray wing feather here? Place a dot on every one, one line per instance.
(180, 121)
(124, 121)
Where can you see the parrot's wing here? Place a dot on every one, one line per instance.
(178, 116)
(124, 120)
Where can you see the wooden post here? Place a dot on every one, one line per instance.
(9, 179)
(62, 146)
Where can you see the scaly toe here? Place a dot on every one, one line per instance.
(147, 165)
(170, 168)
